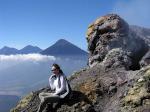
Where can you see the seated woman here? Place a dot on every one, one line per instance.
(59, 84)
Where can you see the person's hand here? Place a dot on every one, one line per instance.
(48, 89)
(54, 94)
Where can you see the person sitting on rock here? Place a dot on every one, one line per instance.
(59, 84)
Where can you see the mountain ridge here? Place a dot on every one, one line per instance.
(30, 49)
(61, 47)
(8, 50)
(25, 50)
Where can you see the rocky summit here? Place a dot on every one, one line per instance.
(110, 32)
(117, 78)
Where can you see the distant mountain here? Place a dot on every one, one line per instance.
(7, 50)
(30, 49)
(63, 48)
(60, 48)
(7, 102)
(26, 50)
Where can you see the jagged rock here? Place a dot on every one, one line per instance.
(145, 60)
(138, 98)
(117, 58)
(108, 84)
(109, 32)
(30, 102)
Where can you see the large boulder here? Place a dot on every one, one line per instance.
(110, 32)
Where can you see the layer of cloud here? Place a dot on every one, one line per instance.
(135, 12)
(10, 93)
(19, 74)
(26, 57)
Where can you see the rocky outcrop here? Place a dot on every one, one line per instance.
(97, 90)
(138, 96)
(114, 80)
(145, 59)
(109, 32)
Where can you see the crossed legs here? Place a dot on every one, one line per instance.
(46, 97)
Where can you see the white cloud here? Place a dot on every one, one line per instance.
(10, 93)
(135, 12)
(26, 57)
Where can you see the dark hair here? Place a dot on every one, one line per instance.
(57, 67)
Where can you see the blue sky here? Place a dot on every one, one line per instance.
(42, 22)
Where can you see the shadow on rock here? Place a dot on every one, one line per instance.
(72, 102)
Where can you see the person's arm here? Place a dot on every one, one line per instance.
(63, 86)
(51, 81)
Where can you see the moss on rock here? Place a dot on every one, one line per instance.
(137, 97)
(89, 89)
(22, 103)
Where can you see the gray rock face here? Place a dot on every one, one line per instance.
(145, 60)
(110, 32)
(117, 58)
(144, 33)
